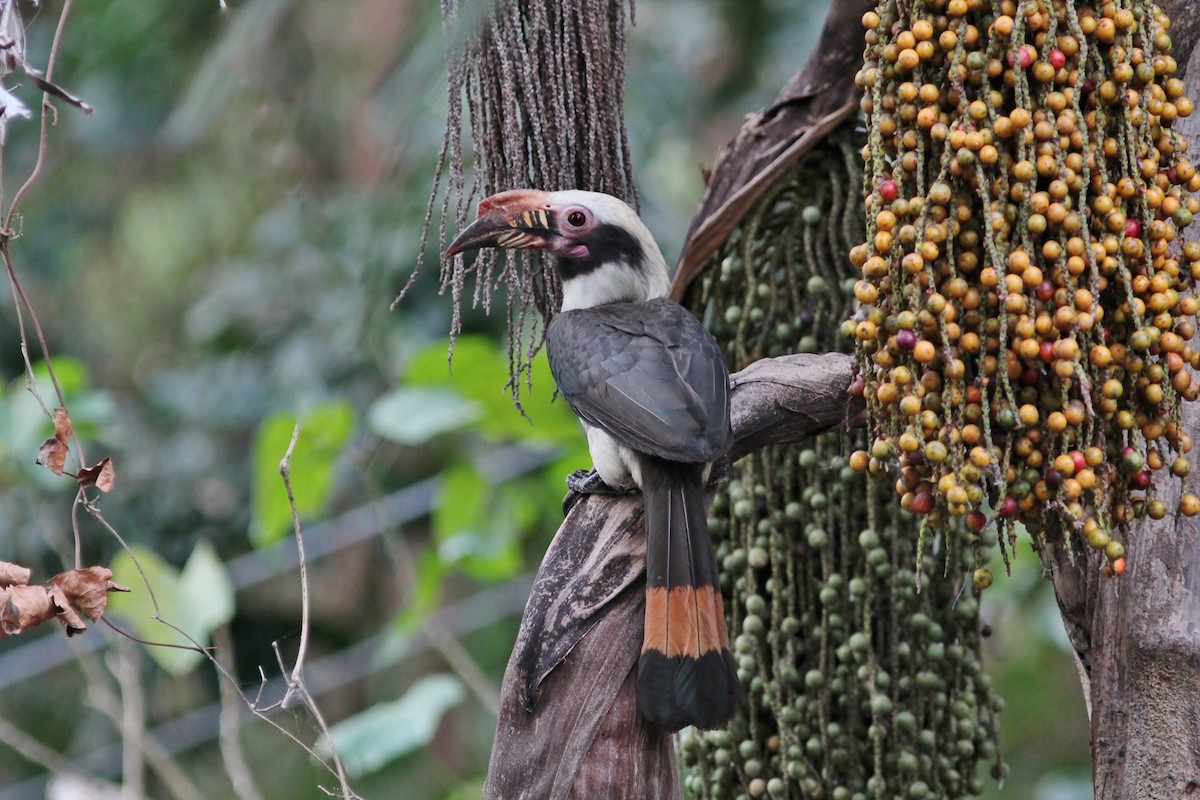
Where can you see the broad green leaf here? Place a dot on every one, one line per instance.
(385, 732)
(462, 501)
(478, 364)
(206, 595)
(196, 601)
(422, 598)
(479, 371)
(71, 373)
(323, 432)
(414, 415)
(476, 525)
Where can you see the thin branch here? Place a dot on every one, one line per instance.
(98, 515)
(123, 666)
(285, 472)
(34, 751)
(231, 744)
(296, 682)
(462, 663)
(103, 699)
(80, 499)
(47, 113)
(456, 656)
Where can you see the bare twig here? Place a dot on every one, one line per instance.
(34, 751)
(455, 655)
(6, 235)
(231, 744)
(104, 700)
(49, 116)
(98, 515)
(123, 665)
(285, 471)
(296, 684)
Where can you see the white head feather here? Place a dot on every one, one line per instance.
(614, 281)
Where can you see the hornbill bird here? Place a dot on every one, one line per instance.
(652, 391)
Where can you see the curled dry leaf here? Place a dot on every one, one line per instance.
(67, 616)
(10, 617)
(23, 607)
(87, 589)
(58, 91)
(13, 574)
(103, 474)
(62, 425)
(69, 596)
(52, 455)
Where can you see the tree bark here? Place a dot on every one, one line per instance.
(569, 725)
(1137, 645)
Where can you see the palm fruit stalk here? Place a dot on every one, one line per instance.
(1025, 310)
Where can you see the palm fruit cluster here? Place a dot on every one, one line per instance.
(1024, 319)
(859, 683)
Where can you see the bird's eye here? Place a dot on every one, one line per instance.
(576, 218)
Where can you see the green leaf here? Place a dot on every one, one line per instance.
(414, 415)
(462, 501)
(477, 365)
(479, 372)
(477, 526)
(23, 424)
(206, 595)
(196, 601)
(470, 789)
(72, 378)
(424, 597)
(323, 432)
(385, 732)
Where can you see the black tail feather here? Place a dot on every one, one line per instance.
(686, 675)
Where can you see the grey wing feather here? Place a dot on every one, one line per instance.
(648, 374)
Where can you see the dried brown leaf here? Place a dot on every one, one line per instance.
(23, 607)
(58, 91)
(87, 589)
(102, 474)
(67, 615)
(10, 618)
(52, 455)
(13, 574)
(62, 425)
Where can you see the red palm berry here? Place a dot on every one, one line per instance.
(1008, 506)
(923, 503)
(1141, 479)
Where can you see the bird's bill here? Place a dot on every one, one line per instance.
(516, 220)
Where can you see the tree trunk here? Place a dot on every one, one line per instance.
(569, 725)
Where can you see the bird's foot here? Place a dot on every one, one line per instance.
(587, 481)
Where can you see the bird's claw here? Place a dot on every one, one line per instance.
(587, 481)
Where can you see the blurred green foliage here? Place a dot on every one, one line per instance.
(213, 255)
(321, 433)
(197, 599)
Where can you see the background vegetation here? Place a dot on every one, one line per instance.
(213, 255)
